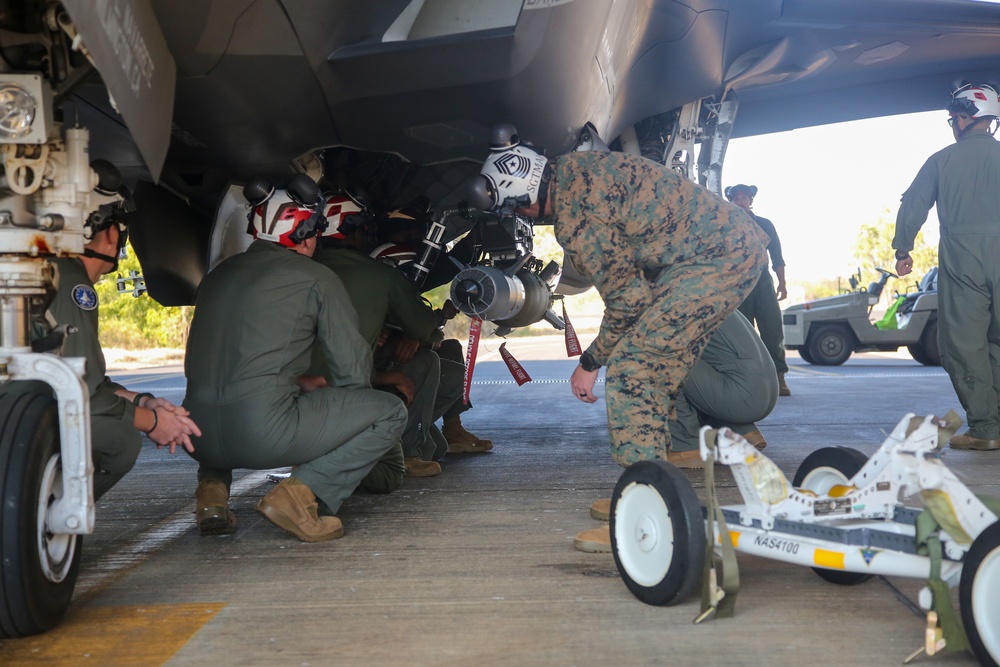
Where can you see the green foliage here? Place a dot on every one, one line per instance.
(138, 323)
(873, 248)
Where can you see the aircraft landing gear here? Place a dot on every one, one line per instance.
(38, 569)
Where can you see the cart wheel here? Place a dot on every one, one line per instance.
(820, 471)
(37, 568)
(657, 532)
(806, 357)
(830, 345)
(977, 596)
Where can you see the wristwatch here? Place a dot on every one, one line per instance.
(137, 400)
(588, 363)
(902, 254)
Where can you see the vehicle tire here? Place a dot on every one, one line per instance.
(657, 533)
(820, 471)
(38, 570)
(830, 345)
(806, 357)
(917, 352)
(929, 345)
(977, 596)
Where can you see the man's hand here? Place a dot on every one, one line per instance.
(309, 383)
(904, 266)
(449, 310)
(404, 349)
(782, 291)
(398, 381)
(582, 383)
(172, 429)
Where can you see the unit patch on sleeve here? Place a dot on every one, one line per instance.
(85, 297)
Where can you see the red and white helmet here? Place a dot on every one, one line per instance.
(979, 101)
(277, 218)
(344, 214)
(394, 254)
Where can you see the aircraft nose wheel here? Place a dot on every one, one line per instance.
(978, 598)
(38, 569)
(657, 533)
(55, 552)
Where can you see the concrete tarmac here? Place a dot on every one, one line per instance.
(476, 566)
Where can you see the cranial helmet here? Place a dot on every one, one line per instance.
(734, 190)
(288, 216)
(111, 202)
(344, 214)
(511, 170)
(978, 101)
(394, 254)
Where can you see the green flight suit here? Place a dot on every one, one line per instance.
(114, 442)
(258, 316)
(733, 385)
(964, 181)
(381, 294)
(671, 261)
(761, 307)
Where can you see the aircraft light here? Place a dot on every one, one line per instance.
(17, 111)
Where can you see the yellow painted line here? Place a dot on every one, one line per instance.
(112, 636)
(831, 559)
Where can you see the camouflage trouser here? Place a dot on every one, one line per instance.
(647, 366)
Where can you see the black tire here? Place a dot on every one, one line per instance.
(657, 533)
(830, 345)
(806, 357)
(977, 596)
(917, 352)
(38, 570)
(929, 345)
(818, 472)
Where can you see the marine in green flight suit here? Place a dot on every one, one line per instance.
(258, 316)
(963, 180)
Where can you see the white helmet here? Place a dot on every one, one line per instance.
(394, 254)
(278, 218)
(512, 170)
(344, 214)
(978, 101)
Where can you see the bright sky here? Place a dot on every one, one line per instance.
(817, 185)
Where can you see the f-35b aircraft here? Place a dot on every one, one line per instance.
(191, 99)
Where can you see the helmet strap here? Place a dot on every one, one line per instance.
(87, 252)
(543, 190)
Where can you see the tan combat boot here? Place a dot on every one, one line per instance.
(417, 467)
(461, 441)
(756, 438)
(292, 506)
(594, 540)
(212, 512)
(600, 509)
(783, 389)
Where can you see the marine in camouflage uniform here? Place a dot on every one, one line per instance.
(671, 261)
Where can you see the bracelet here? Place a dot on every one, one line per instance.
(137, 399)
(156, 421)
